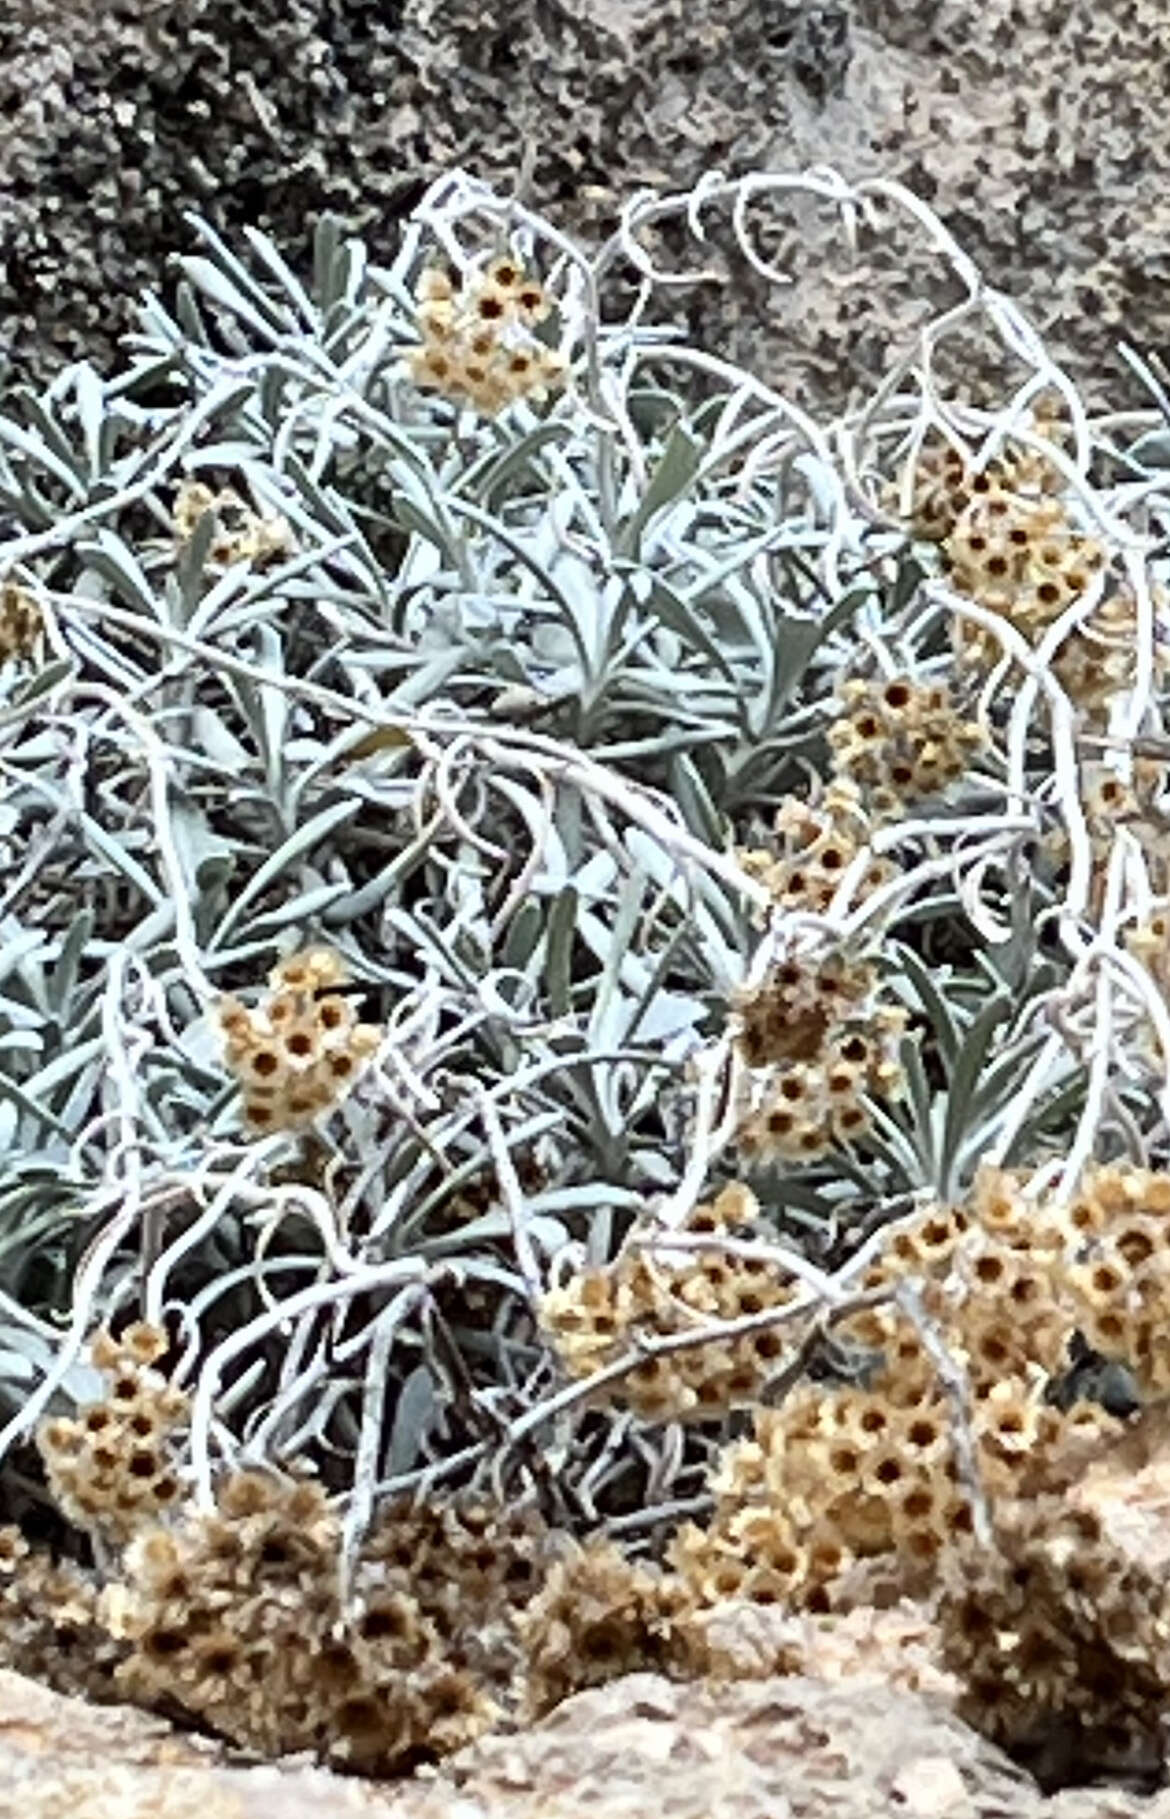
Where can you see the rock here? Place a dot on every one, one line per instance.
(755, 1750)
(1034, 129)
(63, 1759)
(1128, 1486)
(788, 1748)
(931, 1786)
(899, 1646)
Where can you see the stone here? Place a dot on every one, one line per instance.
(787, 1748)
(1033, 127)
(61, 1758)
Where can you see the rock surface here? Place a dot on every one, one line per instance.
(63, 1759)
(787, 1748)
(1033, 126)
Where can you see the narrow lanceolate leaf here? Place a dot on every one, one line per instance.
(227, 282)
(37, 451)
(299, 843)
(378, 739)
(91, 409)
(412, 1417)
(558, 960)
(671, 478)
(965, 1073)
(63, 977)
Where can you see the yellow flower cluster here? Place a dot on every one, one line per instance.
(238, 535)
(940, 491)
(1019, 556)
(20, 623)
(817, 1039)
(1119, 1287)
(599, 1314)
(815, 843)
(838, 1482)
(1009, 542)
(111, 1467)
(900, 740)
(301, 1050)
(942, 483)
(827, 1483)
(477, 346)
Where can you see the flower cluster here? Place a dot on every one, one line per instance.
(815, 844)
(112, 1467)
(301, 1050)
(235, 1617)
(1111, 801)
(817, 1038)
(901, 740)
(1097, 662)
(51, 1624)
(477, 343)
(1059, 1639)
(1018, 555)
(840, 1480)
(597, 1616)
(596, 1317)
(20, 623)
(1010, 541)
(238, 534)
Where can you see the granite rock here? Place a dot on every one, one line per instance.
(1032, 126)
(789, 1748)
